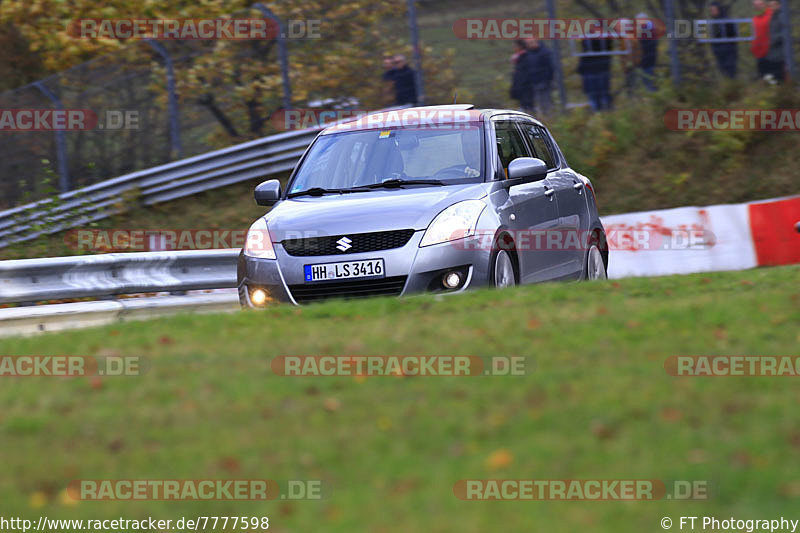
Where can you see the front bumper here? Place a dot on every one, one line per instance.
(416, 269)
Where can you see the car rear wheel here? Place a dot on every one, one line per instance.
(503, 270)
(595, 266)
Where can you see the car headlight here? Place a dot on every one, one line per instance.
(258, 242)
(456, 222)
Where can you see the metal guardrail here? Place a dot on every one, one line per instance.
(262, 157)
(719, 22)
(241, 162)
(99, 276)
(56, 317)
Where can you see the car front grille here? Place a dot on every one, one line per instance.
(312, 292)
(354, 243)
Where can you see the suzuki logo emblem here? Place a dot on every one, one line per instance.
(344, 244)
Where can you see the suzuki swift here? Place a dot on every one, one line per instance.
(429, 199)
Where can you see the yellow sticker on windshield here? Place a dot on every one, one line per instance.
(384, 134)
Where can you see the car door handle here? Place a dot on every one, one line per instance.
(549, 193)
(577, 186)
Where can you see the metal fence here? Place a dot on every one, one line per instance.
(685, 53)
(262, 157)
(173, 100)
(35, 164)
(693, 60)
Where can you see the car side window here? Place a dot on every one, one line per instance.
(509, 143)
(539, 142)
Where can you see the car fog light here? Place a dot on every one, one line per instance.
(451, 280)
(258, 297)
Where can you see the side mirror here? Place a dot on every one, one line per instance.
(527, 169)
(268, 192)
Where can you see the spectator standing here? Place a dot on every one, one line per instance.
(404, 79)
(727, 54)
(776, 65)
(631, 60)
(595, 71)
(541, 65)
(387, 89)
(649, 48)
(760, 45)
(521, 79)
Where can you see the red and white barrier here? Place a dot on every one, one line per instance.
(685, 240)
(776, 237)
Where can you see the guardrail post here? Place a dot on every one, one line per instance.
(669, 12)
(787, 39)
(172, 99)
(414, 29)
(61, 144)
(283, 53)
(562, 91)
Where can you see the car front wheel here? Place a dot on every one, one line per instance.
(595, 266)
(503, 270)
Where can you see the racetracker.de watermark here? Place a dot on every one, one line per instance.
(71, 365)
(194, 489)
(22, 120)
(617, 238)
(733, 365)
(566, 29)
(141, 240)
(732, 119)
(191, 29)
(398, 365)
(412, 118)
(556, 240)
(580, 489)
(299, 119)
(586, 28)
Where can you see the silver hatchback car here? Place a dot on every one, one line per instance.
(428, 199)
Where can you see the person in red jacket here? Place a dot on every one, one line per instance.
(760, 44)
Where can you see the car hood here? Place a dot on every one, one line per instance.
(363, 212)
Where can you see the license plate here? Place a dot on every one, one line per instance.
(369, 268)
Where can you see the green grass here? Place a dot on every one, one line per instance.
(596, 403)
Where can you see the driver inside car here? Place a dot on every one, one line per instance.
(472, 156)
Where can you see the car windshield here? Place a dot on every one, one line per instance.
(363, 158)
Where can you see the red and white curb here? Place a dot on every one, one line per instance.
(705, 239)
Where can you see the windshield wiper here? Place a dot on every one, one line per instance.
(398, 183)
(317, 191)
(388, 184)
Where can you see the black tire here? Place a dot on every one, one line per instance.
(503, 269)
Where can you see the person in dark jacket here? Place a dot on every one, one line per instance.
(630, 59)
(595, 71)
(541, 75)
(649, 48)
(521, 79)
(404, 79)
(776, 64)
(727, 54)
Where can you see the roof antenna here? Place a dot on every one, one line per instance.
(455, 97)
